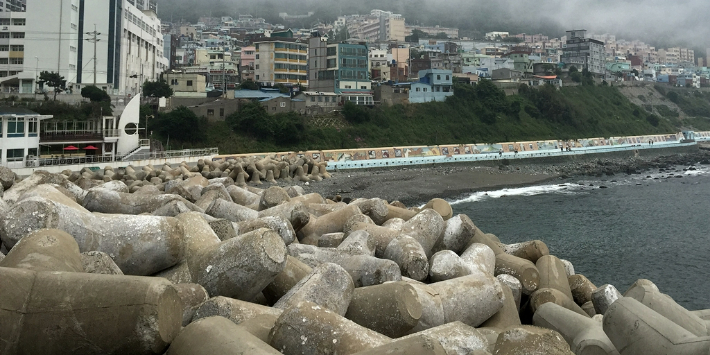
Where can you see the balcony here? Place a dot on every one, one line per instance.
(62, 136)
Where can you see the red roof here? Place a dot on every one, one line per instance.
(547, 77)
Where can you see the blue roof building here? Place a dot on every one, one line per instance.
(433, 85)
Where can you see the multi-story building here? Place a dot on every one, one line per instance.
(246, 63)
(670, 56)
(111, 44)
(281, 59)
(12, 52)
(583, 52)
(433, 85)
(383, 30)
(491, 36)
(434, 30)
(14, 6)
(341, 68)
(19, 135)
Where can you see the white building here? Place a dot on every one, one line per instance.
(128, 50)
(19, 135)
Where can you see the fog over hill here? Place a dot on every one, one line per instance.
(658, 22)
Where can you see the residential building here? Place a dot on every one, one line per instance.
(492, 36)
(184, 84)
(433, 85)
(274, 105)
(128, 49)
(12, 52)
(433, 30)
(400, 63)
(386, 28)
(247, 59)
(281, 60)
(392, 94)
(341, 68)
(506, 75)
(583, 52)
(19, 135)
(521, 61)
(317, 102)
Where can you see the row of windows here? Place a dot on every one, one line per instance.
(289, 66)
(140, 23)
(288, 56)
(290, 46)
(12, 61)
(18, 154)
(324, 99)
(13, 22)
(16, 127)
(359, 52)
(353, 74)
(12, 35)
(353, 63)
(14, 48)
(290, 77)
(176, 82)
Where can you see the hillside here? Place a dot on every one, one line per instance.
(478, 114)
(688, 108)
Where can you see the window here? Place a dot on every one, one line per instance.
(447, 77)
(4, 34)
(257, 77)
(15, 127)
(17, 60)
(257, 66)
(313, 99)
(4, 48)
(17, 48)
(320, 98)
(32, 152)
(282, 104)
(18, 35)
(363, 87)
(15, 154)
(210, 112)
(424, 89)
(221, 112)
(18, 22)
(32, 127)
(348, 87)
(257, 56)
(189, 83)
(438, 77)
(173, 82)
(273, 108)
(417, 89)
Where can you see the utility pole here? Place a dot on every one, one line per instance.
(94, 40)
(224, 83)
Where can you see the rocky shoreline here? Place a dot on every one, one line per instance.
(196, 260)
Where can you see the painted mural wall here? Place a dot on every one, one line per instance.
(345, 155)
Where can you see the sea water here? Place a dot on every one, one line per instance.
(614, 229)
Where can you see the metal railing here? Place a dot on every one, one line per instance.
(32, 161)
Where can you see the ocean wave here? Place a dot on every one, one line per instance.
(519, 191)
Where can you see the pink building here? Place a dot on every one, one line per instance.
(246, 62)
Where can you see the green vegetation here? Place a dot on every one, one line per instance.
(664, 111)
(475, 114)
(53, 80)
(692, 101)
(158, 88)
(180, 124)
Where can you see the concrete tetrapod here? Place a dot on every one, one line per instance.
(328, 286)
(581, 288)
(507, 316)
(230, 211)
(432, 308)
(603, 297)
(515, 287)
(456, 338)
(522, 269)
(553, 275)
(584, 335)
(70, 312)
(636, 329)
(293, 272)
(239, 267)
(235, 310)
(458, 232)
(446, 265)
(531, 250)
(470, 299)
(45, 250)
(96, 262)
(191, 296)
(414, 344)
(277, 224)
(328, 223)
(426, 228)
(358, 242)
(217, 335)
(650, 297)
(441, 207)
(392, 309)
(553, 295)
(529, 340)
(365, 270)
(306, 328)
(140, 245)
(108, 201)
(409, 255)
(260, 326)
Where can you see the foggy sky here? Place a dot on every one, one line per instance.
(658, 22)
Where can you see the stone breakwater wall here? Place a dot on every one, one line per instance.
(174, 261)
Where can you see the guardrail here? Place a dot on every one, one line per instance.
(33, 162)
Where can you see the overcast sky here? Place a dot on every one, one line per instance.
(668, 23)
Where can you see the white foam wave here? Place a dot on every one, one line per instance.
(520, 191)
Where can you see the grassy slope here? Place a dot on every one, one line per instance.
(595, 111)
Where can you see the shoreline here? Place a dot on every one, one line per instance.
(417, 184)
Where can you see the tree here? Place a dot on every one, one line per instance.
(635, 72)
(354, 113)
(573, 69)
(53, 80)
(158, 88)
(441, 35)
(181, 124)
(248, 85)
(415, 36)
(94, 94)
(413, 53)
(282, 88)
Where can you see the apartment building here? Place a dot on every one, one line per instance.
(341, 68)
(584, 52)
(13, 6)
(669, 56)
(111, 44)
(450, 32)
(281, 59)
